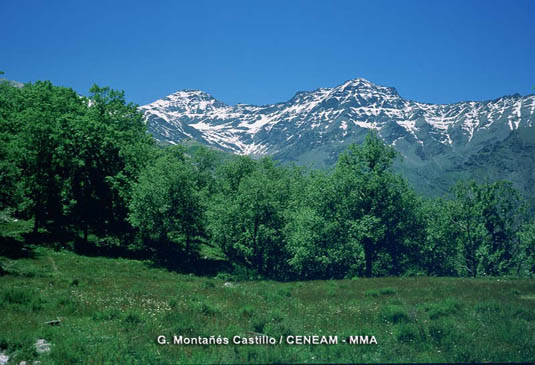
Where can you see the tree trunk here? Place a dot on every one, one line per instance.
(187, 244)
(35, 222)
(368, 257)
(86, 229)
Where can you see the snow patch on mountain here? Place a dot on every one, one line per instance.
(307, 119)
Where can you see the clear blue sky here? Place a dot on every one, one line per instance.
(261, 52)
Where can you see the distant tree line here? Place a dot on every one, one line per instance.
(85, 169)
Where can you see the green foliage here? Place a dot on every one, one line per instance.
(382, 291)
(394, 314)
(486, 220)
(246, 219)
(387, 291)
(371, 293)
(107, 150)
(316, 233)
(408, 333)
(11, 194)
(526, 256)
(360, 215)
(165, 206)
(34, 146)
(71, 165)
(442, 331)
(70, 161)
(443, 309)
(485, 230)
(315, 239)
(439, 253)
(86, 166)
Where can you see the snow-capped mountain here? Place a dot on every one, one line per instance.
(314, 126)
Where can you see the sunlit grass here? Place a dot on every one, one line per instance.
(113, 310)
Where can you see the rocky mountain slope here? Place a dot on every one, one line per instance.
(439, 142)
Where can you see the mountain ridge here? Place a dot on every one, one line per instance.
(312, 127)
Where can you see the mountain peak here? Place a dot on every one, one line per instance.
(335, 115)
(360, 84)
(314, 126)
(358, 81)
(190, 93)
(188, 101)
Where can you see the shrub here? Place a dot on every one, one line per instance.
(383, 291)
(259, 323)
(443, 309)
(387, 291)
(371, 293)
(441, 331)
(132, 318)
(207, 285)
(225, 276)
(285, 292)
(173, 303)
(247, 311)
(394, 314)
(206, 309)
(408, 333)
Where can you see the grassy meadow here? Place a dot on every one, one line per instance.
(112, 310)
(112, 246)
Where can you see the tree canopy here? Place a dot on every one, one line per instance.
(85, 169)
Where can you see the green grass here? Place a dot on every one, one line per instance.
(113, 310)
